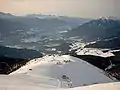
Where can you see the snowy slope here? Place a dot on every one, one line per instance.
(19, 82)
(94, 52)
(107, 86)
(80, 49)
(49, 70)
(47, 74)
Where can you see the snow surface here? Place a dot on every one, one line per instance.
(76, 45)
(108, 86)
(94, 52)
(21, 82)
(81, 50)
(46, 73)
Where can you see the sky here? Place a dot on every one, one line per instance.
(72, 8)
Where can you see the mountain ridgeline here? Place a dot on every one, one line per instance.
(38, 21)
(35, 31)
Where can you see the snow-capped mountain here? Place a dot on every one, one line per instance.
(72, 20)
(109, 18)
(57, 72)
(5, 15)
(97, 29)
(54, 72)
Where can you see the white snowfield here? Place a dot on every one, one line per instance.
(94, 52)
(57, 73)
(81, 50)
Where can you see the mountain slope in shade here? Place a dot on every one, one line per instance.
(19, 53)
(110, 43)
(8, 65)
(58, 72)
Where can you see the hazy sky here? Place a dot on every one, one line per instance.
(79, 8)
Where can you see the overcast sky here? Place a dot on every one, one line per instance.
(75, 8)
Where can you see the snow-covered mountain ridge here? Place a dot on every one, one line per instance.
(55, 72)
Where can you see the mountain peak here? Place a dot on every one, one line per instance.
(108, 18)
(5, 15)
(1, 13)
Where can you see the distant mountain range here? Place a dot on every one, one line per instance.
(97, 29)
(30, 30)
(36, 21)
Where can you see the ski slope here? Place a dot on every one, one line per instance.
(52, 73)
